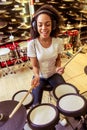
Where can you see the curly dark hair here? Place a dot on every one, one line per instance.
(54, 15)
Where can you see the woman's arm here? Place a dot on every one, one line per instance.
(59, 69)
(35, 65)
(58, 61)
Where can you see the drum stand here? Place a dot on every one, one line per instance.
(18, 60)
(4, 58)
(8, 70)
(82, 122)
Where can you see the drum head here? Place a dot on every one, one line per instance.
(20, 94)
(43, 117)
(4, 51)
(63, 89)
(72, 105)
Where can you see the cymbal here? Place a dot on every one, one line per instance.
(67, 27)
(63, 35)
(38, 3)
(17, 122)
(13, 21)
(24, 26)
(52, 2)
(3, 36)
(71, 13)
(3, 24)
(25, 37)
(2, 11)
(68, 0)
(6, 2)
(2, 43)
(79, 18)
(63, 7)
(4, 16)
(84, 11)
(63, 18)
(12, 40)
(80, 25)
(22, 1)
(12, 31)
(23, 16)
(17, 8)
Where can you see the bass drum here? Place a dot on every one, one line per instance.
(43, 117)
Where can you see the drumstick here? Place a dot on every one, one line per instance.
(72, 57)
(20, 103)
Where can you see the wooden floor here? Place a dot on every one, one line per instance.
(74, 74)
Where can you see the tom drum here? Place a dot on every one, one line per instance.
(72, 105)
(63, 89)
(4, 54)
(20, 94)
(43, 117)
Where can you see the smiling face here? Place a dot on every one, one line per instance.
(44, 25)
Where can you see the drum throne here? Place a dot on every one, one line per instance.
(48, 89)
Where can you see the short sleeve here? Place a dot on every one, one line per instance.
(31, 51)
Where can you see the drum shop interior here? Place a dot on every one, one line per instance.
(65, 109)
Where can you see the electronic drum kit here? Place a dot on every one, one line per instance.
(15, 113)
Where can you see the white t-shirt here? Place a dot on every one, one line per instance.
(46, 56)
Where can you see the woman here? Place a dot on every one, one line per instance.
(44, 50)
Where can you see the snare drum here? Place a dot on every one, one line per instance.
(43, 117)
(20, 94)
(4, 54)
(23, 48)
(63, 89)
(72, 105)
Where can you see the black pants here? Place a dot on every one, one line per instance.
(53, 81)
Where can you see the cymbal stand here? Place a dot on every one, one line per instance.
(4, 58)
(80, 30)
(18, 60)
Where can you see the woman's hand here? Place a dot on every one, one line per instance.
(60, 70)
(35, 81)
